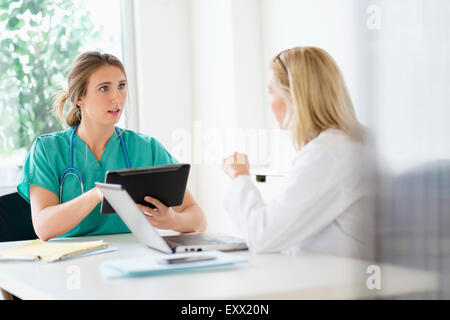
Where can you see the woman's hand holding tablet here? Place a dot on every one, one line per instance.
(165, 183)
(161, 217)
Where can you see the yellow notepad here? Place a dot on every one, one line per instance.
(50, 251)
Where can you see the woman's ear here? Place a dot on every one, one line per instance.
(80, 102)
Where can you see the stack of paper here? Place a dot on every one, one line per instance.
(156, 265)
(50, 251)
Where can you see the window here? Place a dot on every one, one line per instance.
(38, 42)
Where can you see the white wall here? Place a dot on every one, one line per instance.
(214, 96)
(163, 67)
(413, 113)
(7, 190)
(228, 93)
(163, 60)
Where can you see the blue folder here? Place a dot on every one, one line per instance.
(148, 266)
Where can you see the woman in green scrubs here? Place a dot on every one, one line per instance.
(97, 91)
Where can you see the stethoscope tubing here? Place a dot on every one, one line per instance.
(72, 170)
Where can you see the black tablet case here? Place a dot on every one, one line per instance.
(166, 183)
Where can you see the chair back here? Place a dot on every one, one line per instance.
(15, 218)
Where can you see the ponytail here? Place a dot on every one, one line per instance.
(73, 117)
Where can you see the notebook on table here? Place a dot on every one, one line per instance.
(38, 250)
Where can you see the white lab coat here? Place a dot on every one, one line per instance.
(325, 206)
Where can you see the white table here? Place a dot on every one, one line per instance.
(265, 276)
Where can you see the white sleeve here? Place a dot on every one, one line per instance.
(309, 201)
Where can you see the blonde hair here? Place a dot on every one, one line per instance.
(316, 96)
(77, 80)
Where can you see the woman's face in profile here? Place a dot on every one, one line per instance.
(277, 103)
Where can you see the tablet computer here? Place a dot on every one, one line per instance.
(166, 183)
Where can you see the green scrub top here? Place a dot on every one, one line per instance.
(49, 157)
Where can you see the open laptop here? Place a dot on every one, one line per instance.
(144, 231)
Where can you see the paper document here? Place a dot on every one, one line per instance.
(51, 251)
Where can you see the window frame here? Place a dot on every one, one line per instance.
(129, 57)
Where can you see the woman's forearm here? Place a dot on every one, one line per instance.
(192, 219)
(59, 219)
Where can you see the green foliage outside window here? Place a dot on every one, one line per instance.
(39, 39)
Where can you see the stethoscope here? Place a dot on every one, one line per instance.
(72, 170)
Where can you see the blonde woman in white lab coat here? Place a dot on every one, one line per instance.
(325, 205)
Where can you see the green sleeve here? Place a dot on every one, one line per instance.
(37, 170)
